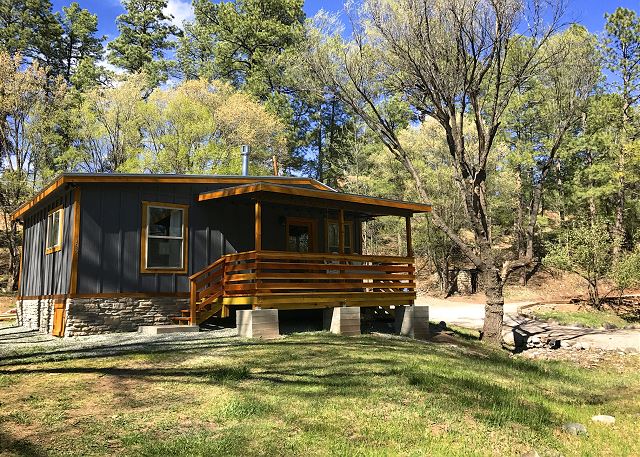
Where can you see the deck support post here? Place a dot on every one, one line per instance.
(409, 241)
(258, 226)
(258, 323)
(413, 321)
(343, 320)
(193, 300)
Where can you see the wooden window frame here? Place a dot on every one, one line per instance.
(144, 238)
(58, 246)
(301, 221)
(351, 236)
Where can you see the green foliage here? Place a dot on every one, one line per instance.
(626, 271)
(247, 38)
(80, 47)
(144, 36)
(584, 249)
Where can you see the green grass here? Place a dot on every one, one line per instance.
(311, 394)
(587, 318)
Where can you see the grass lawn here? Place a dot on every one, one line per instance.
(588, 318)
(310, 394)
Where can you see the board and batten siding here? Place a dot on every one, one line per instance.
(110, 227)
(47, 274)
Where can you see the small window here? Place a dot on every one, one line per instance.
(333, 237)
(54, 230)
(164, 235)
(300, 234)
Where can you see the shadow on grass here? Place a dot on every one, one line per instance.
(21, 447)
(330, 367)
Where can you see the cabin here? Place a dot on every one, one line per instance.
(117, 252)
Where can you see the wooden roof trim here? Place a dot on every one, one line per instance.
(169, 179)
(314, 193)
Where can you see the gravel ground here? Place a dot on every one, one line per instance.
(21, 340)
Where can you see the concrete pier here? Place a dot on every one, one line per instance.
(413, 321)
(343, 320)
(258, 323)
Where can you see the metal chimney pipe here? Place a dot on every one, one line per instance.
(245, 149)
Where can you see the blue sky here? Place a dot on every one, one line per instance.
(590, 13)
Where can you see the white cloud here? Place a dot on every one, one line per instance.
(181, 10)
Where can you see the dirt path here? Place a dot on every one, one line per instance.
(469, 313)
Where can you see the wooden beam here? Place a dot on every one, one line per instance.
(409, 241)
(258, 229)
(341, 231)
(317, 195)
(73, 286)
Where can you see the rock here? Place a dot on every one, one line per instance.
(442, 325)
(531, 453)
(609, 326)
(604, 419)
(574, 428)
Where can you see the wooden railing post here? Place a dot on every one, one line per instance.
(258, 226)
(193, 296)
(409, 242)
(341, 231)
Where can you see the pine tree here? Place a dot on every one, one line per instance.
(80, 46)
(144, 37)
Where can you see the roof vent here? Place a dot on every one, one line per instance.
(244, 151)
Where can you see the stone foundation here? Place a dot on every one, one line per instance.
(88, 316)
(35, 314)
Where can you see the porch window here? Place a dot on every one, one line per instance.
(300, 237)
(333, 237)
(54, 230)
(164, 236)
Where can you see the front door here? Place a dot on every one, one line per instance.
(300, 234)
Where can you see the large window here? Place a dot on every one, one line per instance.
(333, 237)
(164, 238)
(54, 230)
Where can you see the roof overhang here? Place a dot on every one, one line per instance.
(300, 196)
(69, 178)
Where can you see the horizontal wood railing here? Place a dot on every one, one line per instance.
(273, 272)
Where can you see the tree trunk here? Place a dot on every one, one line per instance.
(494, 308)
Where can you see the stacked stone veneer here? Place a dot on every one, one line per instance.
(89, 316)
(35, 314)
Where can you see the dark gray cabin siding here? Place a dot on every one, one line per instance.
(110, 225)
(47, 274)
(111, 220)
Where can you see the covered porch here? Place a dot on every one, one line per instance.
(317, 268)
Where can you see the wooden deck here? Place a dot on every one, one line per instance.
(293, 280)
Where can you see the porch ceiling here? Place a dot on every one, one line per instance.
(299, 196)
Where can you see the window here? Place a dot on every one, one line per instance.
(299, 235)
(164, 238)
(333, 237)
(54, 230)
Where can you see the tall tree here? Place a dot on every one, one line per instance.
(449, 60)
(28, 101)
(145, 33)
(622, 56)
(30, 28)
(248, 38)
(80, 46)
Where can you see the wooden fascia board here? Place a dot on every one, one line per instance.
(90, 178)
(376, 203)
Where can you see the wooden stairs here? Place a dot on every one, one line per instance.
(206, 292)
